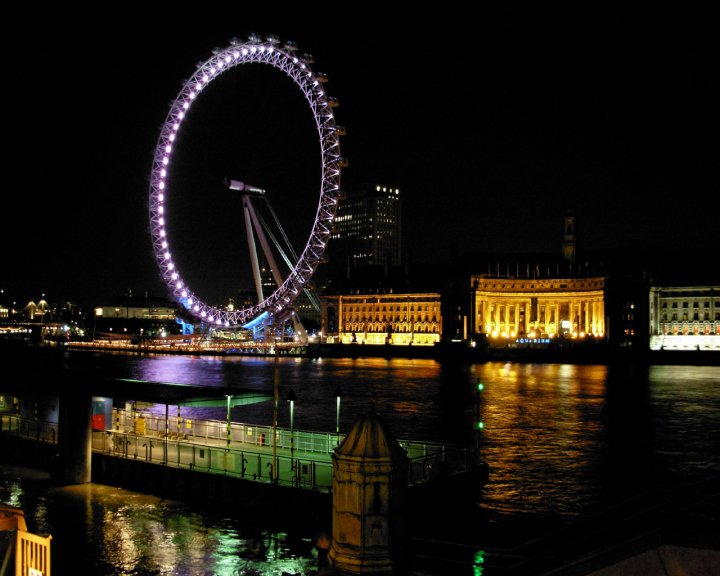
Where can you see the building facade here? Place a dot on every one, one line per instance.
(401, 319)
(538, 308)
(127, 311)
(367, 228)
(684, 317)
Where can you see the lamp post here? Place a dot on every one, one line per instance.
(291, 398)
(478, 423)
(167, 433)
(338, 395)
(229, 398)
(276, 392)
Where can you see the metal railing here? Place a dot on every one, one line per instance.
(301, 458)
(39, 430)
(199, 431)
(257, 464)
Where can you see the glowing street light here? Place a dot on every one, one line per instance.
(479, 424)
(229, 399)
(338, 395)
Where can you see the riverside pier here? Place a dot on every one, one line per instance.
(83, 438)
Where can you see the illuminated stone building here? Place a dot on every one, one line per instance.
(367, 228)
(383, 305)
(403, 319)
(369, 298)
(533, 298)
(683, 302)
(513, 308)
(685, 318)
(685, 310)
(621, 298)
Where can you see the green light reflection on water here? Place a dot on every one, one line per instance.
(479, 563)
(143, 534)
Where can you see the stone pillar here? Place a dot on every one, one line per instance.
(593, 320)
(587, 316)
(593, 317)
(75, 437)
(370, 477)
(558, 319)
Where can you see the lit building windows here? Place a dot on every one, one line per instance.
(399, 327)
(374, 238)
(696, 327)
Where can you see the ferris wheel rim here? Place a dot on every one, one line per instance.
(298, 69)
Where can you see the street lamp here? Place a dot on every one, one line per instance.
(338, 395)
(229, 398)
(479, 426)
(291, 398)
(478, 423)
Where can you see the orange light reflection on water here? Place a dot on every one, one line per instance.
(539, 421)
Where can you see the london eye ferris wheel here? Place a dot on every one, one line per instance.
(291, 269)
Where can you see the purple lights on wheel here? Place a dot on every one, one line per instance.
(253, 51)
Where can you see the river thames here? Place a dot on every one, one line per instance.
(563, 443)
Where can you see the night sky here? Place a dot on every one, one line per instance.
(491, 126)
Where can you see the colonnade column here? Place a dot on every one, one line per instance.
(528, 307)
(587, 317)
(558, 319)
(595, 318)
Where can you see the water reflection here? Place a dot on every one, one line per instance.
(562, 442)
(541, 421)
(132, 533)
(561, 439)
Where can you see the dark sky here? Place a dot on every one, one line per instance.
(492, 125)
